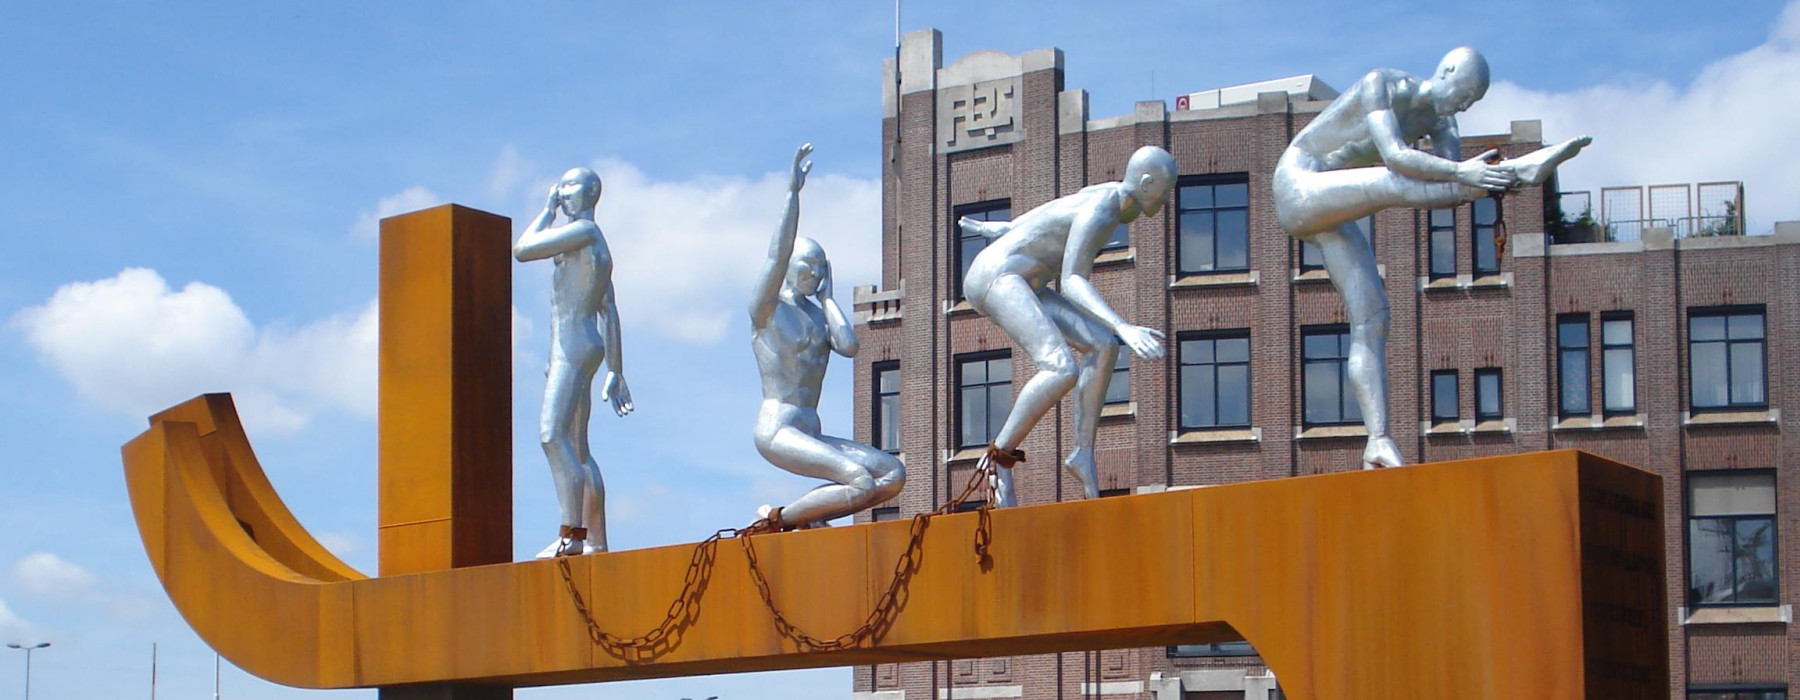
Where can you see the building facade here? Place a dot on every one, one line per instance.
(1663, 351)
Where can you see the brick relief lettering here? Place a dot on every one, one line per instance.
(977, 116)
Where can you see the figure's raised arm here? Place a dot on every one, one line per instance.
(1078, 266)
(781, 247)
(541, 240)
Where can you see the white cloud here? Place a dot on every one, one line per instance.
(14, 629)
(687, 251)
(507, 174)
(343, 543)
(1733, 122)
(50, 577)
(132, 344)
(368, 223)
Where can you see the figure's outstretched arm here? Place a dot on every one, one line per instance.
(614, 389)
(1384, 128)
(781, 247)
(843, 335)
(1078, 267)
(541, 240)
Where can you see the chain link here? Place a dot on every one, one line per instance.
(686, 607)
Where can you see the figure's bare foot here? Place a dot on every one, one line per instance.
(1081, 464)
(1535, 167)
(1381, 452)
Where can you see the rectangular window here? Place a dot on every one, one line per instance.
(1215, 649)
(1725, 359)
(885, 513)
(1325, 377)
(1487, 250)
(1572, 366)
(1215, 380)
(1214, 215)
(1618, 363)
(886, 427)
(984, 397)
(968, 244)
(1109, 493)
(1490, 397)
(1443, 397)
(1443, 243)
(1120, 238)
(1731, 538)
(1737, 692)
(1312, 259)
(1118, 389)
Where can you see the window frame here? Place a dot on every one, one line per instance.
(883, 514)
(1432, 229)
(1727, 312)
(1346, 393)
(1687, 531)
(1606, 377)
(1476, 230)
(1211, 180)
(957, 212)
(1587, 365)
(961, 362)
(1738, 689)
(1181, 363)
(1499, 399)
(1218, 650)
(1455, 397)
(877, 428)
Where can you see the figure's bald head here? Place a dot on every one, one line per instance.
(579, 189)
(1460, 80)
(807, 266)
(1149, 176)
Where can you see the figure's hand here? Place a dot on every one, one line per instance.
(1479, 172)
(825, 284)
(802, 166)
(555, 199)
(1142, 341)
(614, 389)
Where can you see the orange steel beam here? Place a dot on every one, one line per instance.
(1530, 576)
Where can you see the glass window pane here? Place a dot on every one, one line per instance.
(1621, 392)
(1120, 238)
(1707, 382)
(1487, 395)
(1321, 392)
(1234, 349)
(1731, 493)
(1709, 560)
(1485, 211)
(1352, 411)
(999, 404)
(974, 373)
(1572, 334)
(889, 419)
(1196, 197)
(1232, 195)
(1310, 256)
(1616, 332)
(974, 417)
(1194, 352)
(1000, 370)
(1233, 239)
(1118, 383)
(1443, 218)
(1197, 242)
(1443, 253)
(1197, 397)
(1487, 259)
(1365, 227)
(1443, 396)
(1234, 395)
(1745, 326)
(1746, 373)
(1706, 328)
(1573, 382)
(1755, 555)
(1319, 346)
(889, 379)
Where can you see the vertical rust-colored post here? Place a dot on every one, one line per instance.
(446, 401)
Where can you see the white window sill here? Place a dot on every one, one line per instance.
(967, 454)
(958, 308)
(1710, 418)
(1328, 432)
(1465, 282)
(1296, 276)
(1779, 614)
(1492, 426)
(1118, 410)
(1116, 255)
(1631, 422)
(1221, 279)
(1204, 436)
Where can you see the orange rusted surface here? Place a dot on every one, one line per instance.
(1530, 576)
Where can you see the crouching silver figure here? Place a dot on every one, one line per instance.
(581, 304)
(1355, 159)
(1009, 282)
(795, 326)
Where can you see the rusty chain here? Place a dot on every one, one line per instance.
(682, 612)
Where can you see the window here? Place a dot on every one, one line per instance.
(1120, 238)
(1725, 359)
(1215, 380)
(1738, 692)
(1109, 493)
(1443, 243)
(1214, 649)
(1572, 365)
(969, 506)
(1731, 538)
(1215, 224)
(1487, 252)
(1490, 397)
(885, 513)
(886, 416)
(968, 244)
(1325, 378)
(984, 399)
(1311, 258)
(1618, 364)
(1443, 397)
(1118, 389)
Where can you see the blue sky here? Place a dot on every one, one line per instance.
(189, 193)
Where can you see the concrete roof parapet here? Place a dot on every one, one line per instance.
(921, 55)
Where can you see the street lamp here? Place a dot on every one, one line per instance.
(28, 650)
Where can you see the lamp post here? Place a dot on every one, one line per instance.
(28, 650)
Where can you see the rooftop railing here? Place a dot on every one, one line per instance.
(1691, 210)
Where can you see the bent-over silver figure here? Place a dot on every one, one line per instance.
(795, 326)
(1356, 159)
(1009, 282)
(581, 304)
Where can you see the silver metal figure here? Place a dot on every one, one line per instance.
(1009, 282)
(796, 325)
(1354, 159)
(582, 302)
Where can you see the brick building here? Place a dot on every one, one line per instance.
(1664, 351)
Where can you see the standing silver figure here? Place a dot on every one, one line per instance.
(796, 325)
(1009, 282)
(1353, 160)
(583, 300)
